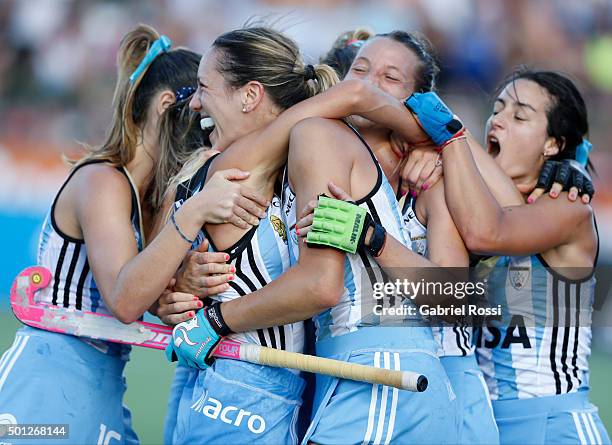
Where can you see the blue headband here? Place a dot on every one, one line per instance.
(161, 45)
(582, 152)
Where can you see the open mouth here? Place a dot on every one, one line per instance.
(493, 145)
(207, 123)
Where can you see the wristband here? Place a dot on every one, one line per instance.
(459, 135)
(194, 341)
(378, 241)
(178, 229)
(215, 318)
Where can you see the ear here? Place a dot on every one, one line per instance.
(164, 100)
(552, 147)
(251, 95)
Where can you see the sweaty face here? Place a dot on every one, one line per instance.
(517, 130)
(217, 99)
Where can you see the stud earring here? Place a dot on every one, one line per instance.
(244, 109)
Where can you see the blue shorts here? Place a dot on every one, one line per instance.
(183, 378)
(563, 419)
(238, 402)
(476, 422)
(350, 412)
(53, 378)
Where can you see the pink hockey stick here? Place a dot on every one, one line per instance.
(80, 323)
(150, 335)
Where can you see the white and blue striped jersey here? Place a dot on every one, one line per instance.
(541, 345)
(361, 270)
(73, 285)
(260, 256)
(453, 339)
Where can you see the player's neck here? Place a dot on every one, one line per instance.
(387, 158)
(375, 136)
(141, 168)
(525, 184)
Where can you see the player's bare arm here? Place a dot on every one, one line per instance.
(487, 227)
(315, 283)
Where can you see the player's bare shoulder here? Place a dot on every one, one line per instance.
(100, 176)
(99, 187)
(316, 136)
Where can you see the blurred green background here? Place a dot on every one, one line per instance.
(149, 376)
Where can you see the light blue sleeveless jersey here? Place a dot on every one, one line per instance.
(361, 270)
(47, 377)
(476, 421)
(543, 344)
(346, 411)
(454, 340)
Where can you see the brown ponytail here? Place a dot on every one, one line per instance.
(121, 136)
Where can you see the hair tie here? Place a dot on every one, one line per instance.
(309, 72)
(582, 152)
(183, 93)
(161, 45)
(357, 43)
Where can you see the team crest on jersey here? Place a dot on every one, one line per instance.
(279, 227)
(419, 244)
(519, 276)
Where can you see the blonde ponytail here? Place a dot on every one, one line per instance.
(325, 77)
